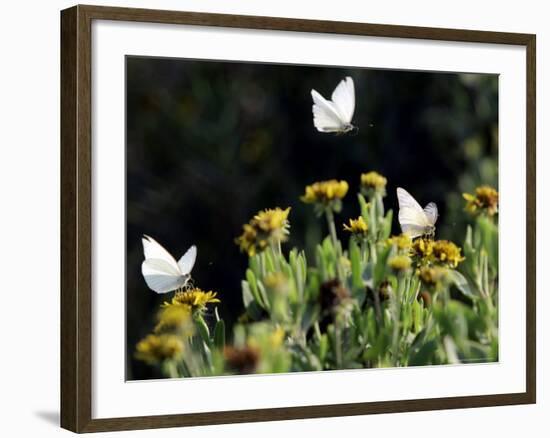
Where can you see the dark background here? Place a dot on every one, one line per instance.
(211, 143)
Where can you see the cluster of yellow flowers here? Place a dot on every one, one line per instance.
(175, 318)
(484, 200)
(269, 226)
(325, 192)
(432, 275)
(400, 263)
(154, 349)
(432, 259)
(373, 182)
(194, 299)
(174, 326)
(358, 227)
(437, 251)
(403, 242)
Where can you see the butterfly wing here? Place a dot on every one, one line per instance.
(343, 98)
(325, 115)
(154, 250)
(187, 261)
(160, 270)
(412, 218)
(161, 276)
(431, 212)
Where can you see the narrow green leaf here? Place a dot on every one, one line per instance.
(253, 284)
(203, 330)
(461, 283)
(219, 334)
(386, 226)
(380, 267)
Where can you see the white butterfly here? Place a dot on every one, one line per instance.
(161, 271)
(414, 220)
(335, 115)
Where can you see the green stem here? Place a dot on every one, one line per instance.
(171, 369)
(338, 342)
(377, 307)
(276, 250)
(379, 206)
(331, 226)
(396, 298)
(335, 243)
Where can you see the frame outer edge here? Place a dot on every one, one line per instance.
(76, 250)
(531, 247)
(69, 320)
(76, 223)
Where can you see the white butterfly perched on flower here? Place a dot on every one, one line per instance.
(161, 271)
(415, 220)
(335, 115)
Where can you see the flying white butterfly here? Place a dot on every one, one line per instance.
(335, 116)
(161, 271)
(414, 220)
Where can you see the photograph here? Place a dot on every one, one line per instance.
(285, 218)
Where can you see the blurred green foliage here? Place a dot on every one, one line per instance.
(210, 143)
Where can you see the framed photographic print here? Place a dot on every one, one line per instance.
(267, 218)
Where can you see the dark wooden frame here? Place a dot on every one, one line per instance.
(76, 168)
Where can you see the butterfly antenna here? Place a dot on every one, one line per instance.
(190, 284)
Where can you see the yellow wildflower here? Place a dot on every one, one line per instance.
(358, 227)
(271, 219)
(432, 276)
(423, 248)
(248, 241)
(175, 317)
(373, 182)
(325, 192)
(403, 242)
(447, 252)
(195, 298)
(400, 262)
(267, 226)
(484, 200)
(154, 349)
(437, 251)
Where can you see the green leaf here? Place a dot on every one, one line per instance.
(219, 334)
(203, 330)
(255, 265)
(424, 355)
(461, 283)
(253, 287)
(489, 239)
(311, 314)
(380, 267)
(247, 294)
(263, 294)
(386, 226)
(356, 268)
(417, 311)
(323, 348)
(365, 207)
(452, 320)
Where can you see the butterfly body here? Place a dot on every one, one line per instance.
(161, 271)
(335, 115)
(415, 220)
